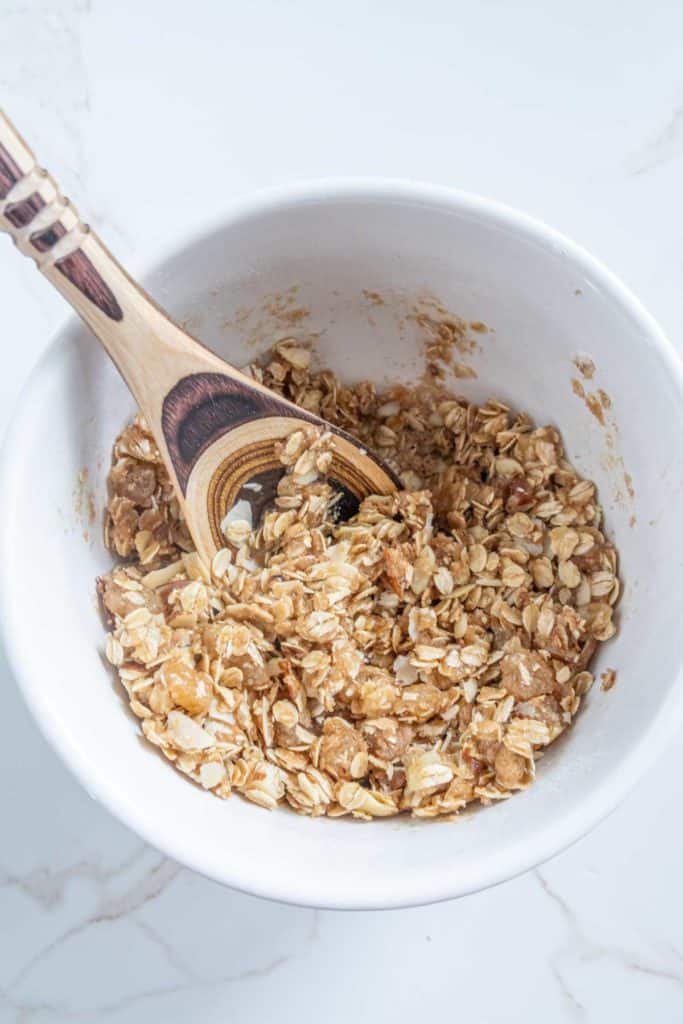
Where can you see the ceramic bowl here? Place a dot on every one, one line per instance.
(355, 259)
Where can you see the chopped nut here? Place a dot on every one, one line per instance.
(211, 774)
(365, 802)
(510, 768)
(343, 752)
(526, 675)
(426, 772)
(185, 734)
(189, 689)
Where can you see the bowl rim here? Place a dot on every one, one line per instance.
(545, 841)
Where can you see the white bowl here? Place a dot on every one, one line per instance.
(547, 301)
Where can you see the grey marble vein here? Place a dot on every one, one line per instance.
(47, 886)
(111, 908)
(667, 145)
(27, 1009)
(585, 949)
(171, 954)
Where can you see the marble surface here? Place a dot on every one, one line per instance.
(151, 114)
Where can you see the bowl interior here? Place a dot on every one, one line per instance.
(350, 268)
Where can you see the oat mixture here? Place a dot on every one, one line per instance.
(418, 657)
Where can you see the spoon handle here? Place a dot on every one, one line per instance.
(149, 349)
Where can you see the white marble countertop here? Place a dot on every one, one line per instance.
(152, 114)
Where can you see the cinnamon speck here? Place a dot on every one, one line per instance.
(280, 311)
(373, 297)
(632, 521)
(628, 480)
(290, 316)
(445, 336)
(585, 366)
(192, 323)
(282, 307)
(593, 404)
(578, 388)
(479, 326)
(605, 400)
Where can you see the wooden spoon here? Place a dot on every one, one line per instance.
(215, 427)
